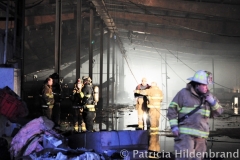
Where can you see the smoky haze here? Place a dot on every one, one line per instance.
(171, 75)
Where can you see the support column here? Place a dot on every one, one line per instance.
(113, 79)
(91, 44)
(113, 69)
(22, 37)
(108, 73)
(58, 37)
(121, 73)
(15, 30)
(100, 104)
(6, 35)
(117, 74)
(79, 29)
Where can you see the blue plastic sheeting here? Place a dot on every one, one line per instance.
(7, 77)
(103, 141)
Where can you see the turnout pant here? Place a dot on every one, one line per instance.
(88, 118)
(77, 116)
(188, 147)
(78, 119)
(47, 112)
(141, 107)
(154, 143)
(53, 113)
(56, 112)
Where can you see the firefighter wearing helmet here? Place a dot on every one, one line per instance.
(90, 99)
(77, 97)
(155, 97)
(57, 91)
(189, 113)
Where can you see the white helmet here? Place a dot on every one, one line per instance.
(203, 77)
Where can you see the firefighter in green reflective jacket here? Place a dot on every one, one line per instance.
(191, 133)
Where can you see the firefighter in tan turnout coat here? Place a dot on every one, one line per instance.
(155, 97)
(48, 98)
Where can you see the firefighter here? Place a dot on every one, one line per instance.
(57, 91)
(89, 103)
(48, 98)
(141, 102)
(155, 97)
(77, 106)
(189, 113)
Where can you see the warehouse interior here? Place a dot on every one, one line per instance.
(117, 43)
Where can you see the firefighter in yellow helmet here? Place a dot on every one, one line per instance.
(141, 102)
(155, 97)
(189, 113)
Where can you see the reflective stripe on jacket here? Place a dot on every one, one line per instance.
(154, 95)
(196, 124)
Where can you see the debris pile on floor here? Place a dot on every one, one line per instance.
(33, 140)
(38, 140)
(11, 105)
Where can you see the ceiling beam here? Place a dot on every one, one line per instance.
(39, 20)
(102, 11)
(198, 25)
(179, 33)
(209, 9)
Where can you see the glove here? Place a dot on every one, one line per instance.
(211, 100)
(175, 131)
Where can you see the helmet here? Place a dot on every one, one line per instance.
(203, 77)
(54, 76)
(84, 77)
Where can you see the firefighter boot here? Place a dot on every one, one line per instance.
(154, 146)
(76, 127)
(83, 127)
